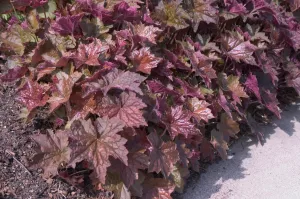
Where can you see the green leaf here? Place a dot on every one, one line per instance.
(179, 175)
(93, 27)
(15, 38)
(47, 10)
(114, 184)
(171, 14)
(219, 143)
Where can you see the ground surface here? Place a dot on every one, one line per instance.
(269, 171)
(255, 171)
(16, 148)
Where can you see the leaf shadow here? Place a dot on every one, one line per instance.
(205, 184)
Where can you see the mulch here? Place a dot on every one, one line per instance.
(17, 180)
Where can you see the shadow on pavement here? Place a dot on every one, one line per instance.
(203, 186)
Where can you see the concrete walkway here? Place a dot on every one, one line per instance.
(253, 171)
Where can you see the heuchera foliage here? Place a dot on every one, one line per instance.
(144, 89)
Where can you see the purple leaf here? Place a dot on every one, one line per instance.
(124, 80)
(127, 108)
(14, 74)
(271, 102)
(163, 155)
(235, 7)
(187, 89)
(252, 85)
(33, 95)
(67, 25)
(143, 60)
(223, 103)
(89, 53)
(177, 122)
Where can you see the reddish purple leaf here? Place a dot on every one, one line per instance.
(228, 127)
(203, 66)
(171, 13)
(271, 102)
(235, 7)
(127, 108)
(224, 103)
(157, 188)
(136, 160)
(194, 160)
(44, 68)
(238, 49)
(294, 4)
(53, 152)
(177, 122)
(295, 83)
(183, 152)
(14, 74)
(163, 155)
(252, 85)
(206, 150)
(146, 32)
(188, 90)
(92, 7)
(96, 142)
(268, 65)
(237, 90)
(199, 109)
(175, 60)
(158, 87)
(143, 60)
(81, 107)
(33, 95)
(164, 69)
(122, 80)
(269, 11)
(89, 53)
(62, 89)
(123, 12)
(67, 24)
(201, 11)
(47, 51)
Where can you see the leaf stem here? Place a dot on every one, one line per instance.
(10, 1)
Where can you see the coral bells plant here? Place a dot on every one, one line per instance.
(140, 90)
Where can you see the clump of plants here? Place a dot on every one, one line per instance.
(139, 91)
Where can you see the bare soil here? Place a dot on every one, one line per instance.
(16, 149)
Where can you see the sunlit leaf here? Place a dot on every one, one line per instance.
(171, 14)
(127, 108)
(96, 142)
(143, 60)
(53, 152)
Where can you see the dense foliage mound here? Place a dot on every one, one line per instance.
(139, 91)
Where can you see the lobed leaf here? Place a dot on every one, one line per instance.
(96, 142)
(163, 155)
(54, 151)
(126, 108)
